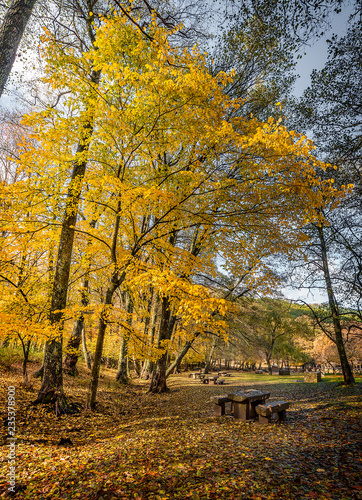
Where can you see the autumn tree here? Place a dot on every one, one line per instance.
(267, 325)
(331, 108)
(44, 127)
(52, 385)
(24, 276)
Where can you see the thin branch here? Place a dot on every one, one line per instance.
(15, 286)
(132, 20)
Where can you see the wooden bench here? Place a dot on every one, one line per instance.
(219, 404)
(219, 381)
(267, 410)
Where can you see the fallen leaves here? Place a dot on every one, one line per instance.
(178, 450)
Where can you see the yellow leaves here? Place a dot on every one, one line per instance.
(225, 78)
(193, 304)
(71, 351)
(17, 325)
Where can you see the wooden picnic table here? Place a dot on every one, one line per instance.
(206, 379)
(244, 403)
(215, 379)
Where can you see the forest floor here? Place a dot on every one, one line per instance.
(170, 446)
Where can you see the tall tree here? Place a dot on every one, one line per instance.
(52, 381)
(347, 372)
(11, 31)
(332, 108)
(332, 105)
(88, 79)
(260, 40)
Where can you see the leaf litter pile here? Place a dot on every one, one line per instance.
(142, 446)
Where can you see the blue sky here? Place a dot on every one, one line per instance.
(316, 55)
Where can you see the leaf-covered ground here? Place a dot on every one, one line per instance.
(142, 446)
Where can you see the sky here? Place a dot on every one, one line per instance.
(316, 55)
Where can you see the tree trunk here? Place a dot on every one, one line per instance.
(148, 365)
(72, 349)
(92, 392)
(347, 372)
(211, 353)
(52, 381)
(86, 353)
(26, 350)
(158, 377)
(270, 370)
(136, 367)
(71, 359)
(158, 380)
(51, 390)
(176, 364)
(39, 373)
(16, 18)
(147, 369)
(122, 374)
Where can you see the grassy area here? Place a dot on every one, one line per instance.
(253, 378)
(141, 446)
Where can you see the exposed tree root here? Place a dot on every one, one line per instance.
(59, 402)
(158, 383)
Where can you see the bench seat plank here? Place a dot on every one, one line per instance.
(219, 404)
(269, 408)
(218, 400)
(265, 411)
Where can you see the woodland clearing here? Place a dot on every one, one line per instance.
(137, 445)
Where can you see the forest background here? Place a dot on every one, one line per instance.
(155, 197)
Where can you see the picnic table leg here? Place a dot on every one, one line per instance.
(264, 420)
(253, 405)
(280, 415)
(241, 411)
(219, 410)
